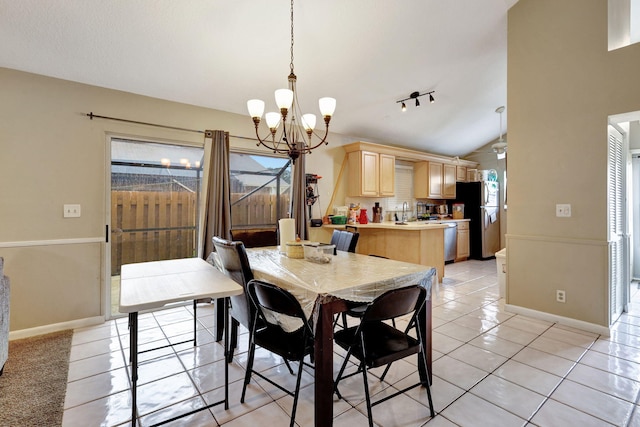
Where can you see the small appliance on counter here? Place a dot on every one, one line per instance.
(457, 211)
(442, 211)
(425, 211)
(377, 213)
(422, 211)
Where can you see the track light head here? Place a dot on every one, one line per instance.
(417, 102)
(404, 107)
(431, 99)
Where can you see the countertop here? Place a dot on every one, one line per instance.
(410, 225)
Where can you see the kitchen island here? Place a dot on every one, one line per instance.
(416, 242)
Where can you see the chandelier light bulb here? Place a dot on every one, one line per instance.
(284, 98)
(255, 107)
(309, 122)
(273, 120)
(327, 106)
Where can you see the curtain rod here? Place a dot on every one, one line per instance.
(92, 116)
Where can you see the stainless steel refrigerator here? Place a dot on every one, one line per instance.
(482, 207)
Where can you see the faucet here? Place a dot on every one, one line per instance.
(405, 206)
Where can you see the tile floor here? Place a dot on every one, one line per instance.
(491, 368)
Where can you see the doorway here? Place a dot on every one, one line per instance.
(625, 128)
(618, 208)
(154, 202)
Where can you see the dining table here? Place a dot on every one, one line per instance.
(327, 288)
(155, 284)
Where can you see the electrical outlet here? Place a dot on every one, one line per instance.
(563, 210)
(71, 211)
(561, 296)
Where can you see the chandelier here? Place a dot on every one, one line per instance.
(291, 140)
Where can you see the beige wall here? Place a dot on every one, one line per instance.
(52, 154)
(563, 85)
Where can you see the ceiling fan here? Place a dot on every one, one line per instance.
(500, 147)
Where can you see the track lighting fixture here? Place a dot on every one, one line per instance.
(416, 95)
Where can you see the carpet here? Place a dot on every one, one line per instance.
(34, 381)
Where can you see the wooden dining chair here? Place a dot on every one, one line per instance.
(277, 307)
(233, 259)
(375, 343)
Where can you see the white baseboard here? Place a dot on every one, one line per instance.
(56, 327)
(567, 321)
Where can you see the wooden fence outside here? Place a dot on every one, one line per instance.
(257, 210)
(152, 226)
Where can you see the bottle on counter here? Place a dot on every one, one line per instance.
(353, 214)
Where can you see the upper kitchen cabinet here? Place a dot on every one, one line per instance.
(449, 181)
(461, 173)
(371, 174)
(434, 180)
(371, 171)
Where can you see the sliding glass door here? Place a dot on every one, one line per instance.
(154, 205)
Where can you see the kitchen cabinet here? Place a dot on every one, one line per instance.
(461, 173)
(371, 174)
(434, 180)
(462, 240)
(449, 181)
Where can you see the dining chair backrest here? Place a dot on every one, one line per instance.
(256, 237)
(270, 298)
(395, 303)
(345, 240)
(234, 260)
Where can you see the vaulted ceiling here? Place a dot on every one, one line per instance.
(218, 54)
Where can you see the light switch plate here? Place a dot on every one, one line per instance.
(563, 210)
(71, 211)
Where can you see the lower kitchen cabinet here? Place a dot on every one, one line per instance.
(462, 240)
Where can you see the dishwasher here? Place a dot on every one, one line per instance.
(450, 241)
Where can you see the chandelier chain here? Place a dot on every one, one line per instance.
(291, 63)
